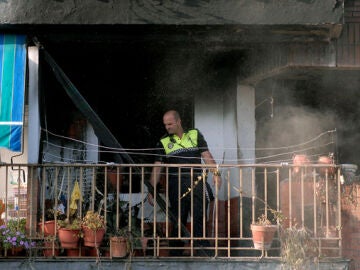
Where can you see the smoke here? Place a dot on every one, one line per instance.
(312, 117)
(294, 130)
(291, 121)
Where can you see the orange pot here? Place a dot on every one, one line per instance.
(263, 235)
(49, 227)
(118, 247)
(93, 238)
(69, 238)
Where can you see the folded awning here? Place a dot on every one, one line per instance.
(12, 90)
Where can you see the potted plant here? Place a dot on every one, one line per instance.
(69, 232)
(125, 232)
(93, 226)
(13, 238)
(48, 226)
(263, 230)
(119, 243)
(51, 246)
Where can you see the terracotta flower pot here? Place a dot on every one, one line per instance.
(263, 235)
(48, 250)
(91, 251)
(49, 227)
(15, 251)
(93, 238)
(69, 238)
(118, 247)
(75, 252)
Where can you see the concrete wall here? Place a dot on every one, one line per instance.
(156, 264)
(228, 122)
(169, 12)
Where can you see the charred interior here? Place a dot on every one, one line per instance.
(131, 75)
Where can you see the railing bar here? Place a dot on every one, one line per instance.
(29, 213)
(228, 215)
(253, 196)
(142, 203)
(290, 197)
(216, 219)
(314, 203)
(167, 202)
(68, 193)
(179, 205)
(155, 199)
(130, 198)
(56, 200)
(339, 223)
(81, 188)
(191, 212)
(43, 200)
(327, 202)
(302, 198)
(105, 194)
(266, 198)
(277, 189)
(265, 192)
(204, 202)
(117, 197)
(241, 202)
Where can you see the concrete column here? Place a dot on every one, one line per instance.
(34, 117)
(34, 139)
(246, 125)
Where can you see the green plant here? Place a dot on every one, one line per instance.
(277, 217)
(127, 225)
(13, 234)
(263, 220)
(50, 214)
(298, 248)
(50, 238)
(70, 223)
(93, 220)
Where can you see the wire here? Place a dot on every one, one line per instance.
(144, 152)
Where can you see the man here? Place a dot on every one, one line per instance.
(296, 196)
(326, 194)
(185, 147)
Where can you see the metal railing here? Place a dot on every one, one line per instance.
(309, 198)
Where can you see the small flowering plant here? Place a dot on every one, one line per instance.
(13, 235)
(93, 220)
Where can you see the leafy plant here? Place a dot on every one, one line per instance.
(50, 214)
(13, 234)
(277, 218)
(93, 220)
(70, 223)
(132, 233)
(298, 248)
(50, 238)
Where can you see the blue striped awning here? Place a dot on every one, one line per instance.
(12, 90)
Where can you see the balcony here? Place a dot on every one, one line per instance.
(308, 196)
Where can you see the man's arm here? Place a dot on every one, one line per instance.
(154, 179)
(155, 175)
(208, 159)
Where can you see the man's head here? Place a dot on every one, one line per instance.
(326, 160)
(172, 123)
(300, 160)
